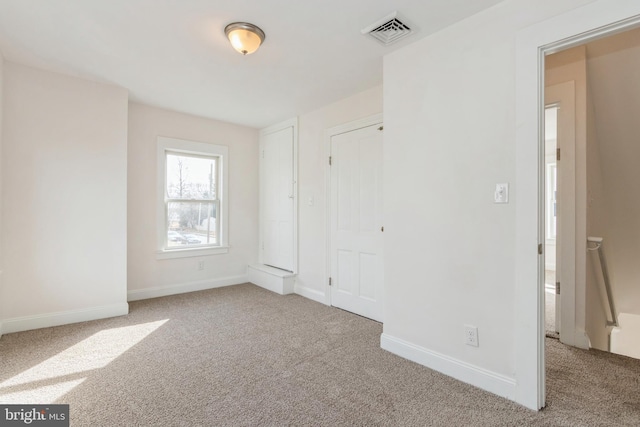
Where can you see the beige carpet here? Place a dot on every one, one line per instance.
(243, 356)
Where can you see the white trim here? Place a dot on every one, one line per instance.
(272, 271)
(181, 288)
(312, 294)
(47, 320)
(568, 251)
(273, 279)
(581, 339)
(354, 125)
(487, 380)
(292, 123)
(279, 126)
(572, 28)
(191, 252)
(328, 134)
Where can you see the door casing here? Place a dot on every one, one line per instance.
(572, 28)
(292, 123)
(563, 94)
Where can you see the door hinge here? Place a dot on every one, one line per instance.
(557, 288)
(381, 128)
(539, 248)
(557, 154)
(329, 160)
(329, 281)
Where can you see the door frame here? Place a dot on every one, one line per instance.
(570, 253)
(573, 28)
(375, 119)
(293, 123)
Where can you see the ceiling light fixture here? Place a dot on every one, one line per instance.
(244, 37)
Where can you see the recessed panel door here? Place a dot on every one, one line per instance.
(356, 222)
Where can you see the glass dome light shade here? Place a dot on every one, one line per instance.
(244, 37)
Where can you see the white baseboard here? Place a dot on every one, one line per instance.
(48, 320)
(312, 294)
(181, 288)
(482, 378)
(582, 339)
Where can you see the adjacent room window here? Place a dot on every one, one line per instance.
(191, 198)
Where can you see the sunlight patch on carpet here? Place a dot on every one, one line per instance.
(56, 376)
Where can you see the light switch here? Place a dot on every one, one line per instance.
(310, 201)
(502, 193)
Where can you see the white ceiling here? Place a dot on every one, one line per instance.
(173, 53)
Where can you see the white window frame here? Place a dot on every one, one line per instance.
(192, 148)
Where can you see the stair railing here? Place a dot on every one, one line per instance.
(597, 241)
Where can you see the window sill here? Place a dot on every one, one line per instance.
(191, 252)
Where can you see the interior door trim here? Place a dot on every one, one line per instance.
(329, 133)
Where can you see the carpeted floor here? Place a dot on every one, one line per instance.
(243, 356)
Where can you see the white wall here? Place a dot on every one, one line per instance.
(64, 166)
(2, 297)
(450, 252)
(597, 225)
(148, 276)
(312, 173)
(614, 63)
(614, 204)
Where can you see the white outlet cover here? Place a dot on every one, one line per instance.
(501, 194)
(471, 335)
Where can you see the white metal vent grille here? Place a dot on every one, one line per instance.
(388, 30)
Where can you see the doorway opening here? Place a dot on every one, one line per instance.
(586, 198)
(534, 44)
(551, 196)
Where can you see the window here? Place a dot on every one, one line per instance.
(191, 198)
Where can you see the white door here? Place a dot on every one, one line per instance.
(562, 96)
(277, 199)
(356, 222)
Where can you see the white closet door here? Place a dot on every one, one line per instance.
(356, 222)
(278, 199)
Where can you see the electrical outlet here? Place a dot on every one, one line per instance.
(200, 265)
(471, 335)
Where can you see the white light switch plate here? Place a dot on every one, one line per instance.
(502, 193)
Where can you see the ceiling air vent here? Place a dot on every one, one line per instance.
(388, 30)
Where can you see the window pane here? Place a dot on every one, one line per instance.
(191, 177)
(191, 224)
